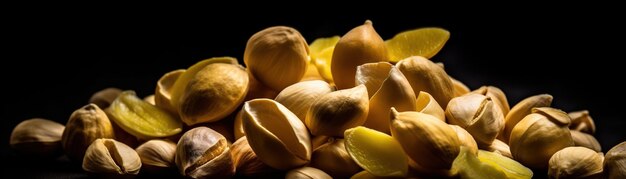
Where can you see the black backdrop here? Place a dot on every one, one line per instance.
(54, 61)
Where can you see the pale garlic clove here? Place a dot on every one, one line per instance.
(246, 162)
(163, 91)
(105, 97)
(424, 75)
(466, 139)
(459, 88)
(178, 90)
(478, 115)
(332, 158)
(390, 89)
(615, 162)
(215, 92)
(333, 113)
(307, 173)
(501, 148)
(497, 96)
(158, 153)
(425, 103)
(37, 138)
(299, 97)
(582, 121)
(202, 153)
(277, 56)
(585, 140)
(429, 142)
(108, 156)
(84, 126)
(275, 134)
(575, 162)
(520, 110)
(539, 135)
(360, 45)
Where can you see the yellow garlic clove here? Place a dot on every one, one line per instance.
(105, 97)
(331, 114)
(575, 162)
(585, 140)
(501, 148)
(459, 88)
(307, 173)
(539, 135)
(299, 97)
(510, 167)
(322, 54)
(37, 138)
(359, 46)
(428, 141)
(142, 119)
(466, 139)
(246, 162)
(84, 126)
(311, 73)
(615, 162)
(215, 92)
(163, 91)
(478, 115)
(158, 153)
(425, 103)
(108, 156)
(417, 42)
(424, 75)
(332, 158)
(520, 110)
(387, 88)
(277, 56)
(178, 90)
(467, 165)
(582, 121)
(376, 152)
(204, 153)
(497, 96)
(275, 134)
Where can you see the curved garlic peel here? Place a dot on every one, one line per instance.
(333, 113)
(425, 103)
(333, 159)
(582, 121)
(575, 162)
(142, 119)
(497, 96)
(277, 56)
(376, 152)
(520, 110)
(428, 141)
(299, 97)
(556, 116)
(394, 91)
(510, 167)
(203, 152)
(110, 156)
(320, 44)
(360, 45)
(162, 93)
(307, 173)
(424, 75)
(275, 134)
(469, 166)
(585, 140)
(178, 89)
(477, 114)
(615, 161)
(535, 139)
(157, 152)
(466, 139)
(424, 42)
(214, 93)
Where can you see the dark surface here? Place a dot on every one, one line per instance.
(58, 59)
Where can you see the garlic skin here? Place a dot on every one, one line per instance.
(575, 162)
(497, 96)
(478, 115)
(85, 126)
(615, 162)
(108, 156)
(582, 121)
(359, 46)
(539, 135)
(37, 138)
(162, 93)
(277, 56)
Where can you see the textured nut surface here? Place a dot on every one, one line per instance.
(84, 126)
(202, 153)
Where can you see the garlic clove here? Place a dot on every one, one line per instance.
(246, 162)
(299, 97)
(477, 114)
(520, 110)
(425, 103)
(159, 153)
(615, 162)
(142, 119)
(582, 121)
(359, 46)
(332, 158)
(37, 137)
(162, 93)
(275, 134)
(497, 96)
(376, 152)
(585, 140)
(424, 75)
(202, 152)
(575, 162)
(84, 126)
(332, 113)
(109, 156)
(459, 89)
(105, 97)
(501, 148)
(466, 139)
(510, 167)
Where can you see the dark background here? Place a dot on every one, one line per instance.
(54, 60)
